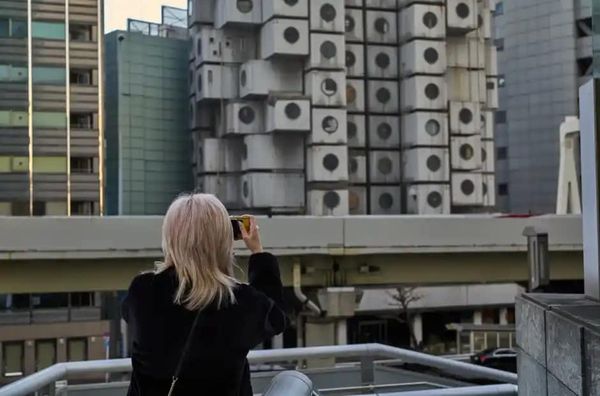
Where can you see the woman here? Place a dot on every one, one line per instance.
(197, 280)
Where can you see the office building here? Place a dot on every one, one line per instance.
(148, 143)
(51, 121)
(544, 54)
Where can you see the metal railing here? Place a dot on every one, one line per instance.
(367, 353)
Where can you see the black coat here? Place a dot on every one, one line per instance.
(216, 361)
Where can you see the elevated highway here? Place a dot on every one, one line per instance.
(103, 253)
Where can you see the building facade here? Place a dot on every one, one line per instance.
(148, 143)
(335, 107)
(51, 121)
(544, 54)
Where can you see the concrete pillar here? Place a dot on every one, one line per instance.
(278, 341)
(417, 325)
(61, 350)
(320, 332)
(29, 357)
(341, 332)
(477, 317)
(503, 316)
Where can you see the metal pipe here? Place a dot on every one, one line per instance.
(484, 390)
(290, 383)
(297, 281)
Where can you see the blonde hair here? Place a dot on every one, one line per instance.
(197, 239)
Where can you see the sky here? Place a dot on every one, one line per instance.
(116, 12)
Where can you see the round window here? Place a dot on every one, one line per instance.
(292, 111)
(434, 199)
(467, 187)
(244, 6)
(350, 59)
(382, 60)
(384, 131)
(331, 162)
(432, 91)
(328, 49)
(331, 199)
(462, 10)
(383, 95)
(246, 115)
(330, 124)
(465, 116)
(351, 130)
(431, 55)
(329, 87)
(466, 152)
(291, 35)
(386, 201)
(328, 12)
(434, 163)
(245, 189)
(349, 23)
(353, 165)
(382, 26)
(350, 93)
(243, 78)
(384, 165)
(430, 20)
(432, 127)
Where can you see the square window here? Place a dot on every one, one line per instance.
(48, 30)
(18, 29)
(4, 27)
(499, 10)
(12, 358)
(499, 43)
(45, 353)
(503, 189)
(76, 349)
(80, 33)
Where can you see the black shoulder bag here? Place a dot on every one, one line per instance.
(184, 353)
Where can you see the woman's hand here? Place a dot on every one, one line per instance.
(252, 237)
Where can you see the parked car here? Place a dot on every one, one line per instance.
(498, 358)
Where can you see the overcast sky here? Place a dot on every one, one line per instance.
(117, 11)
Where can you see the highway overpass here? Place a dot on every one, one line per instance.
(52, 254)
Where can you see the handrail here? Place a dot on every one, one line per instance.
(60, 371)
(483, 390)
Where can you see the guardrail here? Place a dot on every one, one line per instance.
(367, 353)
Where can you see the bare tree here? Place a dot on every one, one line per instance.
(403, 297)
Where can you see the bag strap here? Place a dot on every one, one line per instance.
(184, 353)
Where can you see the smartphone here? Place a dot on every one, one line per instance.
(235, 224)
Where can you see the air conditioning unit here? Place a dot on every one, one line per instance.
(383, 96)
(488, 156)
(273, 190)
(405, 3)
(357, 168)
(384, 132)
(462, 16)
(211, 156)
(217, 82)
(491, 60)
(423, 93)
(466, 52)
(244, 118)
(328, 202)
(384, 166)
(201, 115)
(422, 21)
(428, 199)
(273, 152)
(466, 152)
(492, 93)
(284, 37)
(232, 13)
(329, 126)
(354, 27)
(382, 4)
(467, 189)
(227, 187)
(381, 27)
(465, 118)
(327, 16)
(489, 190)
(327, 163)
(201, 12)
(234, 150)
(423, 165)
(282, 8)
(327, 51)
(287, 114)
(258, 78)
(357, 200)
(212, 45)
(382, 61)
(466, 85)
(424, 129)
(487, 125)
(355, 95)
(385, 200)
(423, 57)
(355, 53)
(326, 88)
(357, 135)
